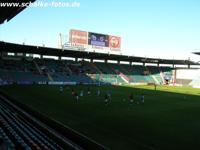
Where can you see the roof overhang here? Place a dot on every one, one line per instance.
(48, 51)
(8, 12)
(197, 53)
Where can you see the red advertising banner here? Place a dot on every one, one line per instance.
(78, 37)
(114, 42)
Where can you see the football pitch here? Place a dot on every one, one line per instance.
(169, 119)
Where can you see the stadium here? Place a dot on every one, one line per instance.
(87, 95)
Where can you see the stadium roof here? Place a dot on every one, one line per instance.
(18, 48)
(8, 13)
(198, 53)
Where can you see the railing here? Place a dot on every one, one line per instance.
(124, 77)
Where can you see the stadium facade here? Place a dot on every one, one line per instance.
(23, 68)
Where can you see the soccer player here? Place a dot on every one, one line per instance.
(81, 93)
(76, 96)
(61, 89)
(98, 92)
(106, 100)
(73, 92)
(109, 94)
(131, 98)
(88, 91)
(142, 99)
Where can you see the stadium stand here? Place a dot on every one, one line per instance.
(28, 70)
(15, 70)
(17, 133)
(44, 70)
(22, 128)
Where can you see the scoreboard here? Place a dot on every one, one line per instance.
(94, 40)
(98, 39)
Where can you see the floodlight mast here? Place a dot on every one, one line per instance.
(60, 41)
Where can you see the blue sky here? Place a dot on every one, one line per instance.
(151, 28)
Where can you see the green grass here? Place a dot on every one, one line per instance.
(169, 119)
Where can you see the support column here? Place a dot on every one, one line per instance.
(118, 62)
(41, 56)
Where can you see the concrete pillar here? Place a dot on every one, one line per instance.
(118, 62)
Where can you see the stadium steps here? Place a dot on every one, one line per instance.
(92, 76)
(124, 73)
(124, 77)
(49, 77)
(154, 74)
(155, 79)
(37, 66)
(108, 78)
(68, 69)
(162, 77)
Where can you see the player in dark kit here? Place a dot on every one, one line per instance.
(76, 96)
(73, 92)
(131, 99)
(98, 92)
(142, 99)
(106, 99)
(61, 89)
(88, 91)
